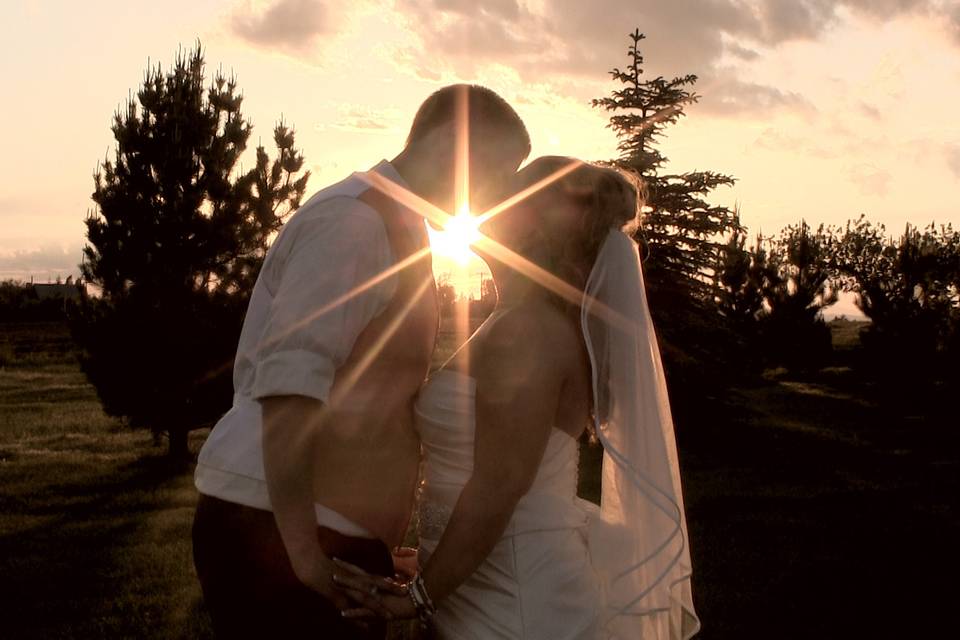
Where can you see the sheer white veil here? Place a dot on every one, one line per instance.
(638, 541)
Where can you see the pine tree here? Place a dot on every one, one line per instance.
(176, 240)
(802, 287)
(910, 289)
(682, 232)
(744, 276)
(272, 191)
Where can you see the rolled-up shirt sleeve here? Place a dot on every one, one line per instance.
(319, 305)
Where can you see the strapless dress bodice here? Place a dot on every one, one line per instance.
(446, 421)
(537, 582)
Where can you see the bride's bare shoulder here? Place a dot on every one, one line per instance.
(537, 333)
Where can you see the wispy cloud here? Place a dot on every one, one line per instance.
(953, 159)
(356, 117)
(361, 118)
(773, 139)
(43, 263)
(871, 180)
(291, 25)
(576, 38)
(870, 111)
(726, 95)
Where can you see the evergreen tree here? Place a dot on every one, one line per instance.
(175, 242)
(744, 276)
(682, 232)
(801, 288)
(910, 290)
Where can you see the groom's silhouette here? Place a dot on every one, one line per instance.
(318, 457)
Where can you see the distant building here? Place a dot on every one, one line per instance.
(69, 291)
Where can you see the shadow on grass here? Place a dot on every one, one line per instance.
(102, 555)
(817, 515)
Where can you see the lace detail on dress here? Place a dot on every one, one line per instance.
(433, 518)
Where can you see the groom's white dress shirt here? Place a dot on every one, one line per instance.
(300, 327)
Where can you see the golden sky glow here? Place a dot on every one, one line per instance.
(822, 116)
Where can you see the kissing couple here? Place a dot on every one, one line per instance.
(337, 436)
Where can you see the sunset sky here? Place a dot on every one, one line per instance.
(821, 110)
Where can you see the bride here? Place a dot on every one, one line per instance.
(507, 549)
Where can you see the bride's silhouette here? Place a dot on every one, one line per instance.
(508, 550)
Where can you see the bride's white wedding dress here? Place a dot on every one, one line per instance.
(538, 582)
(565, 569)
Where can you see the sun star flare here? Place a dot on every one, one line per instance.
(455, 239)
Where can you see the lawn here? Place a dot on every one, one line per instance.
(94, 523)
(816, 508)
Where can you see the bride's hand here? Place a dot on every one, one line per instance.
(374, 596)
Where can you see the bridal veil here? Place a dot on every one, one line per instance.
(638, 540)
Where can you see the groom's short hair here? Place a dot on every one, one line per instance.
(488, 114)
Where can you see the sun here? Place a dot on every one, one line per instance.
(454, 240)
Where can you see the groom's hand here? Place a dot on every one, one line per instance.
(290, 427)
(373, 596)
(315, 570)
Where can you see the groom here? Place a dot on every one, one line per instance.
(318, 457)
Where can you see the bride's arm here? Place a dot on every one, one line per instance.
(519, 374)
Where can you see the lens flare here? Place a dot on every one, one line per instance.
(458, 234)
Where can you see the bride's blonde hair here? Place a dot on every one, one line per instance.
(609, 198)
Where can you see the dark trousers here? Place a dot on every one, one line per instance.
(248, 583)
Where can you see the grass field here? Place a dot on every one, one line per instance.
(94, 523)
(815, 509)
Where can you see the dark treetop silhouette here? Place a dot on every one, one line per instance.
(175, 243)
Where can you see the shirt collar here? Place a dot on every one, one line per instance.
(388, 171)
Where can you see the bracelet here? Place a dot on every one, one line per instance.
(416, 605)
(421, 600)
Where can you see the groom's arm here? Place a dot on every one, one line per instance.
(291, 425)
(309, 331)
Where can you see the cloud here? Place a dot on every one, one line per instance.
(773, 139)
(568, 36)
(43, 262)
(564, 38)
(726, 96)
(953, 22)
(871, 180)
(953, 159)
(785, 20)
(284, 24)
(737, 50)
(365, 119)
(870, 111)
(9, 204)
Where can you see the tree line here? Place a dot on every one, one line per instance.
(725, 306)
(906, 285)
(178, 233)
(28, 302)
